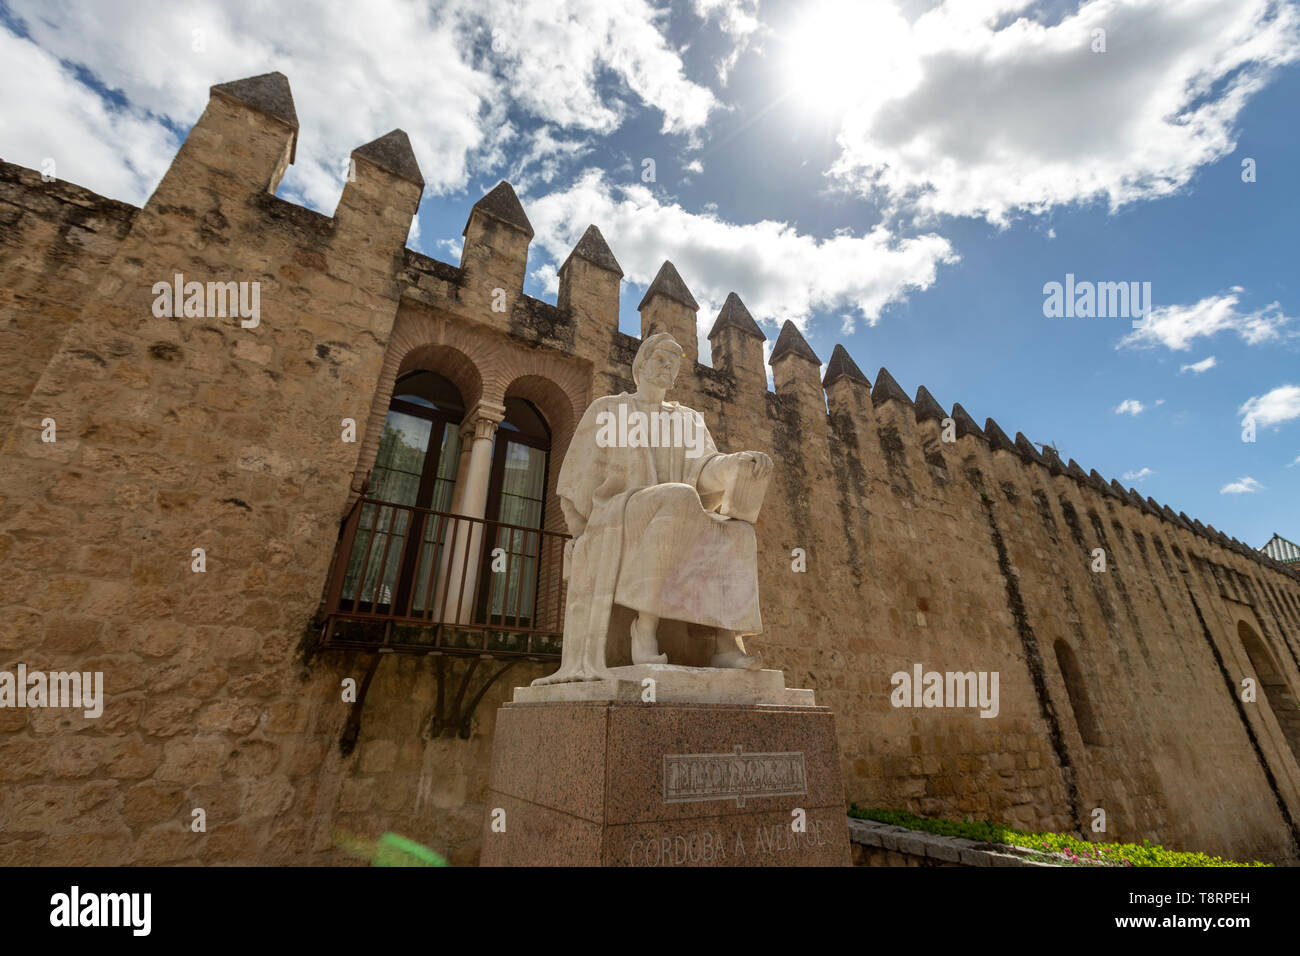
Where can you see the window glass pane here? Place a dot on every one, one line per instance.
(523, 487)
(437, 529)
(399, 463)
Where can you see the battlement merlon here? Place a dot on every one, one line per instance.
(247, 136)
(796, 369)
(590, 280)
(495, 252)
(668, 306)
(382, 193)
(736, 344)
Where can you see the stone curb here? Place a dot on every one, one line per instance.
(935, 846)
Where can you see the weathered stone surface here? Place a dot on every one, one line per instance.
(183, 432)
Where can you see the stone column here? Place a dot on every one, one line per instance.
(462, 577)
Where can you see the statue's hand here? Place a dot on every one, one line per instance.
(760, 464)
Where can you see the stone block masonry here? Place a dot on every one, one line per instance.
(883, 544)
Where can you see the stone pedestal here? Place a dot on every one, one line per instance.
(623, 782)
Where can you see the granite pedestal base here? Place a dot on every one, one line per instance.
(625, 783)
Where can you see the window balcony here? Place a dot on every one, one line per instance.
(415, 580)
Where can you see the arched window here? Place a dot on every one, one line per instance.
(415, 467)
(1273, 683)
(516, 499)
(1071, 673)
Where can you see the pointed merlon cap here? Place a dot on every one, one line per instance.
(998, 439)
(735, 315)
(965, 424)
(593, 248)
(268, 94)
(841, 366)
(1168, 512)
(393, 152)
(1135, 496)
(669, 283)
(1097, 481)
(790, 342)
(887, 390)
(1154, 506)
(1076, 472)
(1027, 450)
(1187, 522)
(502, 204)
(1200, 528)
(1120, 493)
(927, 407)
(1053, 461)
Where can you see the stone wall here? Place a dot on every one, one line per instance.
(178, 433)
(55, 239)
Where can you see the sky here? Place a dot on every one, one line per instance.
(904, 177)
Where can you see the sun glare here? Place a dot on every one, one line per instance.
(842, 54)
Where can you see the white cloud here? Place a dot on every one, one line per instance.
(357, 72)
(948, 115)
(1177, 326)
(454, 248)
(1294, 463)
(121, 153)
(1139, 475)
(1130, 406)
(1204, 365)
(779, 272)
(543, 158)
(548, 277)
(739, 20)
(1242, 486)
(1273, 408)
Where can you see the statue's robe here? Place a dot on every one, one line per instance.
(648, 538)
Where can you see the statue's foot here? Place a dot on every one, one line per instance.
(645, 647)
(737, 659)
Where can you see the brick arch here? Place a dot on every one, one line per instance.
(484, 366)
(551, 400)
(449, 362)
(421, 339)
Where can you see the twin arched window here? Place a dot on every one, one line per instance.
(400, 562)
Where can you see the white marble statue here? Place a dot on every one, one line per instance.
(661, 524)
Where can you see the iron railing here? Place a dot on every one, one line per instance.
(415, 580)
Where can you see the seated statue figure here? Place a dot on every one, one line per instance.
(661, 524)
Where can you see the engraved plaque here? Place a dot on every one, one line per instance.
(690, 778)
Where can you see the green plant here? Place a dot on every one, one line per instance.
(1083, 852)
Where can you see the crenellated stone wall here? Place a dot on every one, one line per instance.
(895, 533)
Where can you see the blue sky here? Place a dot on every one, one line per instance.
(902, 178)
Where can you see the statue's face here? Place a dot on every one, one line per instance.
(660, 369)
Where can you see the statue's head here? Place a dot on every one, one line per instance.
(658, 359)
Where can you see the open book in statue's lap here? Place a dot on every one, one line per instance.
(662, 526)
